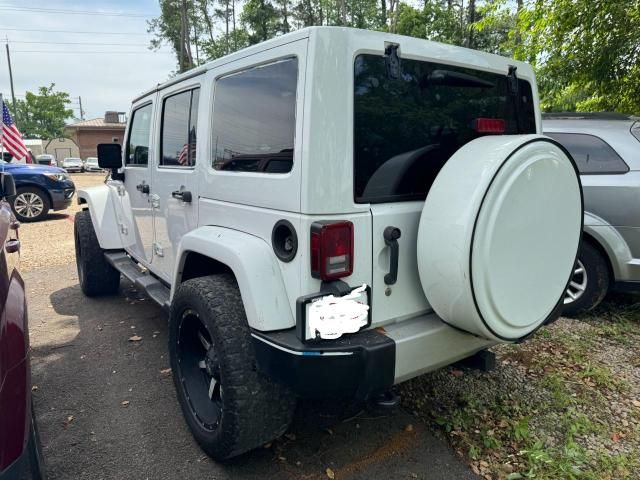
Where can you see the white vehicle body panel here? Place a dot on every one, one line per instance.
(249, 257)
(101, 203)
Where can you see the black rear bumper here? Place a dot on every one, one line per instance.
(355, 366)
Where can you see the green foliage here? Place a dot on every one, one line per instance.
(586, 52)
(43, 114)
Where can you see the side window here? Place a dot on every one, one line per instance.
(254, 119)
(137, 152)
(591, 154)
(178, 130)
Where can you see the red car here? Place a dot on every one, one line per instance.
(20, 454)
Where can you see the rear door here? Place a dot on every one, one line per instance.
(175, 182)
(137, 206)
(405, 130)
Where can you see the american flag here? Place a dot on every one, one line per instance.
(10, 136)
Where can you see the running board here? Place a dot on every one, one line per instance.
(142, 279)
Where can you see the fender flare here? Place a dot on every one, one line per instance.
(103, 215)
(255, 267)
(607, 237)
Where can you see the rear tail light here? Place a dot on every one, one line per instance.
(331, 249)
(489, 125)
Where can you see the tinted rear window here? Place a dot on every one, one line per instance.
(591, 153)
(406, 129)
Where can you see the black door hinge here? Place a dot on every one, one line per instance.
(392, 61)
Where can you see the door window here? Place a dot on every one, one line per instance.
(591, 154)
(254, 119)
(179, 125)
(137, 153)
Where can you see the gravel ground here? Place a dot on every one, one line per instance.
(565, 404)
(106, 406)
(48, 243)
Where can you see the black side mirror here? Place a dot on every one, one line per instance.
(7, 185)
(109, 155)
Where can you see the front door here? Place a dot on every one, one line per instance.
(136, 196)
(175, 183)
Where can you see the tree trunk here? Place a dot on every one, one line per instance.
(471, 20)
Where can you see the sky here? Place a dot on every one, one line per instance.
(106, 80)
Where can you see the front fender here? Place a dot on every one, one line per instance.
(256, 270)
(103, 215)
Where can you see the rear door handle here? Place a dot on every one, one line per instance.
(184, 195)
(12, 246)
(143, 188)
(391, 236)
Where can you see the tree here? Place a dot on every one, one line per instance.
(43, 115)
(586, 53)
(261, 19)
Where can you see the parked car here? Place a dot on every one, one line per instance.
(91, 165)
(46, 159)
(72, 164)
(606, 149)
(406, 229)
(20, 453)
(40, 188)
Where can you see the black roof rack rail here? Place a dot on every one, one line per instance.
(588, 115)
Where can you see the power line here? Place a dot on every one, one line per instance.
(77, 12)
(70, 31)
(92, 52)
(83, 43)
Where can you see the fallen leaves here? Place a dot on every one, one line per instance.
(330, 473)
(165, 371)
(135, 338)
(125, 403)
(409, 428)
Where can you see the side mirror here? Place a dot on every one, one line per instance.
(7, 185)
(109, 155)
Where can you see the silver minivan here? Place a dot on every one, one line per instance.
(606, 148)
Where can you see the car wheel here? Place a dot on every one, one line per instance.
(30, 204)
(228, 405)
(589, 283)
(96, 275)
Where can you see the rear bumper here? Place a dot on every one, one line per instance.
(354, 366)
(365, 363)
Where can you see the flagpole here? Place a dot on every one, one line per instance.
(1, 129)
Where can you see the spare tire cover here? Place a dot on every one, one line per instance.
(499, 235)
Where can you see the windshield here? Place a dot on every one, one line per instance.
(406, 128)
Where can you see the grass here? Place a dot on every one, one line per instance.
(568, 431)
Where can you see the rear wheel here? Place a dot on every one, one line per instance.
(96, 275)
(589, 283)
(229, 407)
(30, 204)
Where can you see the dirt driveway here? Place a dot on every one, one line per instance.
(106, 405)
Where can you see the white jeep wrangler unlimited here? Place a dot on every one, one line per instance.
(330, 213)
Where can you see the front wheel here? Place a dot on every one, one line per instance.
(96, 275)
(589, 283)
(30, 204)
(228, 405)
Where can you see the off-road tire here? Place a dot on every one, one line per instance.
(598, 281)
(41, 194)
(254, 410)
(96, 275)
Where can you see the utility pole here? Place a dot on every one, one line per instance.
(13, 95)
(81, 110)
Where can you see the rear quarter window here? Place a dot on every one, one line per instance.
(592, 154)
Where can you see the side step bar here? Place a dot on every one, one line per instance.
(153, 287)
